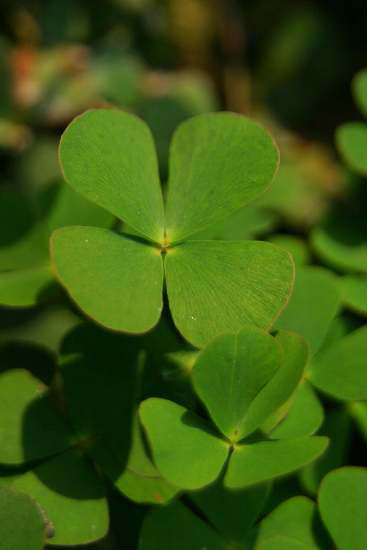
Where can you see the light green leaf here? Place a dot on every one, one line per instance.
(31, 428)
(354, 293)
(24, 287)
(108, 156)
(351, 140)
(230, 373)
(282, 385)
(341, 369)
(22, 524)
(216, 287)
(294, 519)
(303, 415)
(257, 462)
(218, 163)
(232, 513)
(175, 527)
(185, 450)
(343, 507)
(71, 496)
(115, 280)
(313, 305)
(359, 89)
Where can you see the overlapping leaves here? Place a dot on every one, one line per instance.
(251, 375)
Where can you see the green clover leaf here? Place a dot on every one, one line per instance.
(251, 375)
(343, 506)
(219, 162)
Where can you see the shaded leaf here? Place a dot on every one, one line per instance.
(313, 305)
(343, 507)
(31, 427)
(23, 241)
(141, 481)
(176, 527)
(285, 543)
(341, 241)
(24, 287)
(354, 293)
(337, 427)
(22, 524)
(296, 246)
(232, 513)
(359, 89)
(351, 140)
(341, 370)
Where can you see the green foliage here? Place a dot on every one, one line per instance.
(342, 501)
(101, 154)
(25, 225)
(17, 509)
(237, 436)
(250, 378)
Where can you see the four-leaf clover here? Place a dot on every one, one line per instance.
(218, 163)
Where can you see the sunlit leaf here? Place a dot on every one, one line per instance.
(218, 163)
(216, 287)
(115, 280)
(257, 462)
(108, 156)
(185, 449)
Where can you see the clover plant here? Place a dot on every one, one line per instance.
(217, 391)
(218, 163)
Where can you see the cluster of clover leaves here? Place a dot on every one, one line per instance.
(240, 431)
(218, 163)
